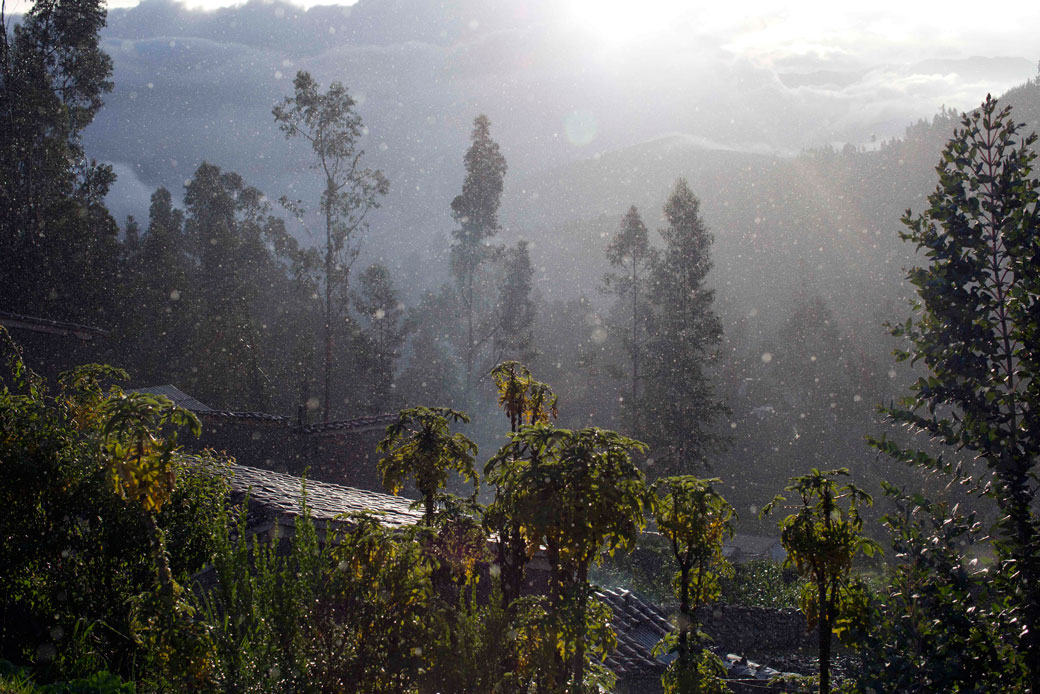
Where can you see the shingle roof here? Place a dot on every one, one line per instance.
(46, 325)
(356, 424)
(254, 416)
(178, 396)
(639, 626)
(280, 494)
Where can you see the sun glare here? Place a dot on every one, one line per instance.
(621, 21)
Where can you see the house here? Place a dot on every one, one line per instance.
(341, 452)
(275, 501)
(50, 346)
(639, 626)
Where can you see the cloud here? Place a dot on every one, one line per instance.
(129, 195)
(194, 86)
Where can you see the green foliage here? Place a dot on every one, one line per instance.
(140, 438)
(73, 552)
(576, 490)
(942, 623)
(475, 211)
(678, 409)
(350, 192)
(630, 250)
(976, 329)
(477, 646)
(15, 680)
(382, 594)
(385, 331)
(58, 242)
(578, 494)
(701, 673)
(421, 446)
(243, 263)
(760, 583)
(822, 538)
(524, 400)
(696, 520)
(514, 333)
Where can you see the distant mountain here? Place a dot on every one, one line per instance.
(193, 86)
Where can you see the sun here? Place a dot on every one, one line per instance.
(623, 21)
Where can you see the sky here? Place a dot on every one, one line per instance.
(769, 31)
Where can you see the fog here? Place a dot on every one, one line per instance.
(804, 133)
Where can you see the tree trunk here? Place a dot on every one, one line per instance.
(824, 633)
(329, 266)
(470, 356)
(578, 676)
(684, 615)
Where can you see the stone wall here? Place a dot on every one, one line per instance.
(740, 629)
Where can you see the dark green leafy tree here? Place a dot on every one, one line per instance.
(350, 191)
(74, 555)
(942, 624)
(822, 538)
(976, 330)
(421, 446)
(248, 276)
(475, 211)
(58, 242)
(678, 408)
(384, 332)
(696, 520)
(631, 253)
(163, 297)
(514, 334)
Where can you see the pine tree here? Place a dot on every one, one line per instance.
(630, 251)
(678, 408)
(59, 243)
(475, 211)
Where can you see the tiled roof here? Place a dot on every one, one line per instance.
(252, 416)
(639, 626)
(46, 325)
(279, 494)
(178, 396)
(356, 424)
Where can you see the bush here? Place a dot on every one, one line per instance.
(15, 680)
(72, 553)
(761, 583)
(942, 622)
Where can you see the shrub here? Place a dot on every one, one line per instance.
(761, 583)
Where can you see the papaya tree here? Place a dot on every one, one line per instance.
(579, 495)
(421, 446)
(526, 402)
(822, 538)
(696, 520)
